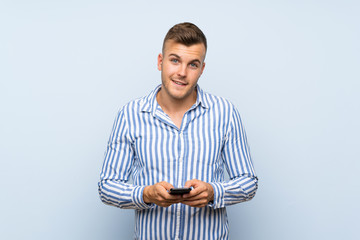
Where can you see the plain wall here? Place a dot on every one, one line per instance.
(291, 68)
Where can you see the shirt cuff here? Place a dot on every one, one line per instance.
(219, 193)
(138, 200)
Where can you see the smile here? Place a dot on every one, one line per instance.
(179, 83)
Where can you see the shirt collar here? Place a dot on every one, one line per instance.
(149, 103)
(201, 98)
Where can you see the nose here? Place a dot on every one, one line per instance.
(182, 70)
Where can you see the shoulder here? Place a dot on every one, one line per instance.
(133, 104)
(142, 104)
(217, 102)
(132, 107)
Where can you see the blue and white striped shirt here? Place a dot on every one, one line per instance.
(145, 142)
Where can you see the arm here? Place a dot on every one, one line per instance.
(236, 156)
(119, 158)
(237, 190)
(242, 185)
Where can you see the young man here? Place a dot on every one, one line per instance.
(178, 136)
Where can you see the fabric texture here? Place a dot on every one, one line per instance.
(146, 144)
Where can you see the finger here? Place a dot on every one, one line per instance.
(171, 197)
(160, 194)
(196, 197)
(197, 203)
(164, 188)
(192, 183)
(195, 191)
(166, 185)
(166, 196)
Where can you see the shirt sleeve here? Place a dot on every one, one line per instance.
(243, 182)
(119, 158)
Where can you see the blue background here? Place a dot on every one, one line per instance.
(291, 68)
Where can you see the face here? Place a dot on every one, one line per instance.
(180, 66)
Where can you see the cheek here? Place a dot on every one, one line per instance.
(195, 75)
(169, 70)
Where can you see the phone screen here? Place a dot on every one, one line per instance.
(179, 191)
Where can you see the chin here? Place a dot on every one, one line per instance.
(181, 94)
(178, 97)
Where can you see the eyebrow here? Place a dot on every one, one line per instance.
(177, 56)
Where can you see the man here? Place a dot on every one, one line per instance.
(178, 136)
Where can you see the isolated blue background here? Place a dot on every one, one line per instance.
(291, 68)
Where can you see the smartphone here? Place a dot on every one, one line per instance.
(179, 191)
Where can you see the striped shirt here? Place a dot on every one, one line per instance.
(146, 144)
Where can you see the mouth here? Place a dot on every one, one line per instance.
(178, 82)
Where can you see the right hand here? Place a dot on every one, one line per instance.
(159, 195)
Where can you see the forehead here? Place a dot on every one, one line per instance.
(195, 51)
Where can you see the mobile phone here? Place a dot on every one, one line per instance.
(179, 191)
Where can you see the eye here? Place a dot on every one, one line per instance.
(194, 65)
(174, 60)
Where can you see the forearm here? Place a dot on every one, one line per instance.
(122, 195)
(237, 190)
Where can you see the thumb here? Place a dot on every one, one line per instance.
(191, 183)
(166, 185)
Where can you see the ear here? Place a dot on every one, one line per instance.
(160, 61)
(203, 67)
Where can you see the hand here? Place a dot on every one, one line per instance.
(201, 194)
(158, 194)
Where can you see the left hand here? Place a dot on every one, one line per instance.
(201, 194)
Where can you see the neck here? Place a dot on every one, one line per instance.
(172, 105)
